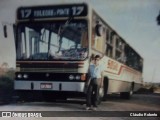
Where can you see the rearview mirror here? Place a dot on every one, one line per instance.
(98, 29)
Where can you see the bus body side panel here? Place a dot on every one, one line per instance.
(116, 86)
(121, 78)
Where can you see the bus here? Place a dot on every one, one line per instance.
(54, 46)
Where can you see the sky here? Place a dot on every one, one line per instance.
(134, 20)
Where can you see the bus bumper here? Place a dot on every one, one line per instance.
(49, 86)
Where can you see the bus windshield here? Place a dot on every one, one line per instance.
(56, 40)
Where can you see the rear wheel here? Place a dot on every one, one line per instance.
(127, 95)
(105, 87)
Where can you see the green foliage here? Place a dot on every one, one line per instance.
(10, 74)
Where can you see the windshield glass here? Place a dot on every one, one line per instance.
(55, 40)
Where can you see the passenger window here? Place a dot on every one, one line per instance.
(133, 59)
(119, 50)
(109, 43)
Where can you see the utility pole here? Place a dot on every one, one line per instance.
(153, 75)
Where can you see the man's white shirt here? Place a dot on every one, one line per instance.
(96, 71)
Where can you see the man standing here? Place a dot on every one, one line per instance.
(96, 82)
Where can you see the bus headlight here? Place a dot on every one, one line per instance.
(78, 77)
(25, 76)
(19, 76)
(71, 77)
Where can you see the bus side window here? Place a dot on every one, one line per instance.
(109, 51)
(133, 59)
(109, 43)
(120, 56)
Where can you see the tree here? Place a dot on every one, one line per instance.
(158, 19)
(4, 66)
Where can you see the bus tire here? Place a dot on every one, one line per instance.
(127, 95)
(105, 87)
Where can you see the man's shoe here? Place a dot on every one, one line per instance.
(88, 108)
(94, 108)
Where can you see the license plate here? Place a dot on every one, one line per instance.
(46, 85)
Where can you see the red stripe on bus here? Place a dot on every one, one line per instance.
(120, 70)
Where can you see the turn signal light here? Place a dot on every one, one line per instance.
(83, 77)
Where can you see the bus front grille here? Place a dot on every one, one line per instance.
(56, 70)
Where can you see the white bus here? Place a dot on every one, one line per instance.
(54, 45)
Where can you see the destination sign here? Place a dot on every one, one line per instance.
(24, 13)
